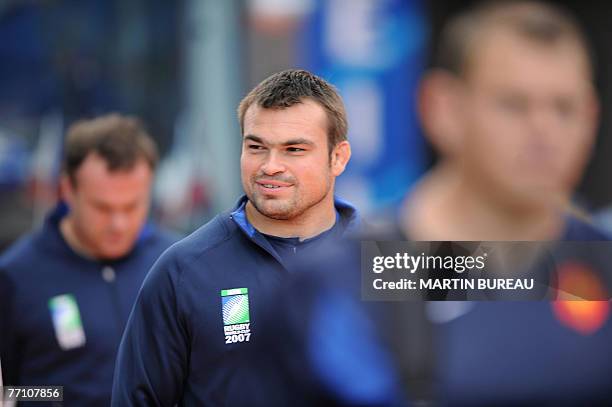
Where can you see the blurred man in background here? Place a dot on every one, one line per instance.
(66, 290)
(200, 309)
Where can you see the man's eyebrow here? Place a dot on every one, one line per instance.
(295, 141)
(290, 142)
(253, 138)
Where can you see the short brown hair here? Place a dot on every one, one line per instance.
(287, 88)
(536, 21)
(120, 140)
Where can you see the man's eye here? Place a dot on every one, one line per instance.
(103, 209)
(510, 104)
(131, 208)
(295, 149)
(565, 109)
(255, 147)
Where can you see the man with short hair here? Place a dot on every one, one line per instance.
(201, 307)
(511, 109)
(66, 290)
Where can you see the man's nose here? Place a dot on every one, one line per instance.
(544, 121)
(544, 135)
(273, 164)
(119, 221)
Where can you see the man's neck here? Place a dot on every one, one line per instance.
(445, 208)
(68, 232)
(311, 223)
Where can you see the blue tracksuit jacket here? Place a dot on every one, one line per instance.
(199, 311)
(62, 315)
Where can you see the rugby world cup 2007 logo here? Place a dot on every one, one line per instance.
(236, 317)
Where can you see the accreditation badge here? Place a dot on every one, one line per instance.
(236, 316)
(67, 321)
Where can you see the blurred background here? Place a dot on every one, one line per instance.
(183, 66)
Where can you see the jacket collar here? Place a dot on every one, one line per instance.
(349, 217)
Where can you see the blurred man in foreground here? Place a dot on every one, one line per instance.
(511, 109)
(200, 310)
(66, 290)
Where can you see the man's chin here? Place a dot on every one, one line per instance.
(114, 252)
(274, 209)
(276, 214)
(534, 196)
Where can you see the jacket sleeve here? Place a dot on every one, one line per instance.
(153, 356)
(9, 352)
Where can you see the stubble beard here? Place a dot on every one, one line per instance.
(286, 209)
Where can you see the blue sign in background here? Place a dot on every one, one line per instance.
(374, 52)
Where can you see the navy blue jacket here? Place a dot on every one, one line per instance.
(451, 353)
(40, 279)
(521, 353)
(199, 311)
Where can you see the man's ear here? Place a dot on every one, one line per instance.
(593, 114)
(67, 188)
(590, 123)
(340, 156)
(439, 104)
